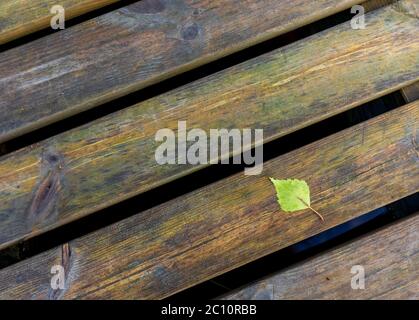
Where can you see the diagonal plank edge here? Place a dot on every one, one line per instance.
(411, 93)
(231, 222)
(20, 18)
(79, 172)
(389, 257)
(133, 47)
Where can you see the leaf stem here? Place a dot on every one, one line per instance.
(308, 206)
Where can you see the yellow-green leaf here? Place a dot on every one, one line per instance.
(293, 194)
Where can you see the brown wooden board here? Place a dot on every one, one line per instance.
(224, 225)
(128, 49)
(21, 17)
(411, 93)
(389, 258)
(99, 164)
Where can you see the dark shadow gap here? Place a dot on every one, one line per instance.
(194, 181)
(172, 83)
(68, 24)
(284, 258)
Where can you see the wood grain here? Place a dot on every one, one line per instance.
(224, 225)
(390, 258)
(411, 93)
(133, 47)
(91, 167)
(22, 17)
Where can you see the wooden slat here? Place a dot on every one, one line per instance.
(21, 17)
(397, 240)
(231, 222)
(131, 48)
(390, 258)
(112, 159)
(411, 93)
(375, 4)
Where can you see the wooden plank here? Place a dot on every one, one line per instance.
(224, 225)
(411, 93)
(91, 167)
(390, 258)
(134, 47)
(22, 17)
(375, 4)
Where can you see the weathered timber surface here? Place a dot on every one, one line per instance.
(371, 5)
(21, 17)
(390, 258)
(224, 225)
(133, 47)
(411, 93)
(91, 167)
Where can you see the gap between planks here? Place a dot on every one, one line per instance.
(213, 230)
(22, 17)
(134, 47)
(112, 159)
(411, 93)
(395, 241)
(389, 257)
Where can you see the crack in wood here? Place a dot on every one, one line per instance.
(44, 202)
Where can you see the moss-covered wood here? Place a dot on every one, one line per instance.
(128, 49)
(224, 225)
(21, 17)
(101, 163)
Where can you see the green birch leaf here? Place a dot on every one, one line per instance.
(293, 194)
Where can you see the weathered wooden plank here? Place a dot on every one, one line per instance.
(390, 258)
(375, 4)
(21, 17)
(99, 164)
(231, 222)
(411, 93)
(131, 48)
